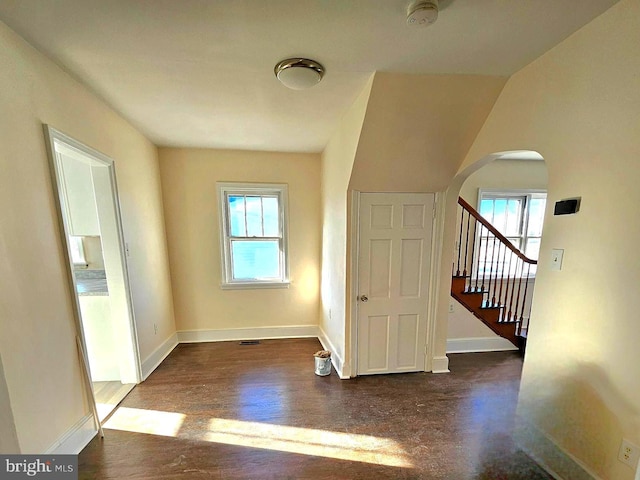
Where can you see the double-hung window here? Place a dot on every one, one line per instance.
(253, 227)
(516, 214)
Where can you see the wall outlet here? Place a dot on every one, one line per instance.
(155, 328)
(451, 308)
(629, 453)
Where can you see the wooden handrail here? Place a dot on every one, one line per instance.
(473, 212)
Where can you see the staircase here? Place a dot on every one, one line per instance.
(491, 277)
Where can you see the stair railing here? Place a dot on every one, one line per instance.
(491, 264)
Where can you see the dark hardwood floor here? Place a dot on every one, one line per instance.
(226, 411)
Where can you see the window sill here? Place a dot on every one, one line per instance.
(253, 285)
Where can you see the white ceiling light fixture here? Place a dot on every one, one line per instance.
(299, 73)
(422, 13)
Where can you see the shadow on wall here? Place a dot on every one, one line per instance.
(582, 415)
(8, 438)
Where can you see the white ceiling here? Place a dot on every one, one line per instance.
(199, 73)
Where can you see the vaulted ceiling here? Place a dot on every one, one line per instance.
(199, 73)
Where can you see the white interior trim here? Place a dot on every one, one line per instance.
(353, 288)
(281, 190)
(434, 282)
(440, 364)
(130, 364)
(336, 360)
(76, 438)
(479, 344)
(158, 355)
(261, 333)
(559, 463)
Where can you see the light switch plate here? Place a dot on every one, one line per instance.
(556, 258)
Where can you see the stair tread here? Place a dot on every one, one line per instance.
(493, 307)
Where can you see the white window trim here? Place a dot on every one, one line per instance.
(223, 190)
(529, 193)
(77, 246)
(524, 192)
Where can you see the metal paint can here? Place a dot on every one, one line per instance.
(323, 366)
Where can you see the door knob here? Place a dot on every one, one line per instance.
(364, 298)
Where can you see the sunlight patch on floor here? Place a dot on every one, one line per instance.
(104, 409)
(282, 438)
(154, 422)
(308, 441)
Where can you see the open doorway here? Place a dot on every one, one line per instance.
(84, 181)
(508, 190)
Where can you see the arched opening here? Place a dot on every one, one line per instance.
(509, 190)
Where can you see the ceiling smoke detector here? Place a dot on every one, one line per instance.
(422, 13)
(299, 73)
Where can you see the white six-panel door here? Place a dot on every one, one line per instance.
(395, 235)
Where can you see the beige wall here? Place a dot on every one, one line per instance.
(36, 320)
(463, 324)
(8, 437)
(418, 129)
(189, 179)
(416, 132)
(499, 174)
(507, 175)
(337, 161)
(579, 106)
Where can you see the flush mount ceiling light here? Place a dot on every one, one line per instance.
(422, 13)
(299, 73)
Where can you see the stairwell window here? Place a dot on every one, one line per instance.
(253, 228)
(518, 215)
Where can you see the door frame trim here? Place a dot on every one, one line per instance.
(434, 280)
(51, 135)
(353, 287)
(437, 231)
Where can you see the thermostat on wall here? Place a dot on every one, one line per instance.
(567, 206)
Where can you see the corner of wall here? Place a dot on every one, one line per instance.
(343, 370)
(337, 163)
(156, 357)
(557, 462)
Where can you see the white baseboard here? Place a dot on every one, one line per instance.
(76, 438)
(257, 333)
(336, 360)
(158, 355)
(440, 365)
(479, 344)
(549, 455)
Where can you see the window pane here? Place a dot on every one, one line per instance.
(516, 242)
(254, 216)
(486, 209)
(236, 215)
(499, 214)
(514, 216)
(271, 217)
(255, 259)
(536, 216)
(533, 248)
